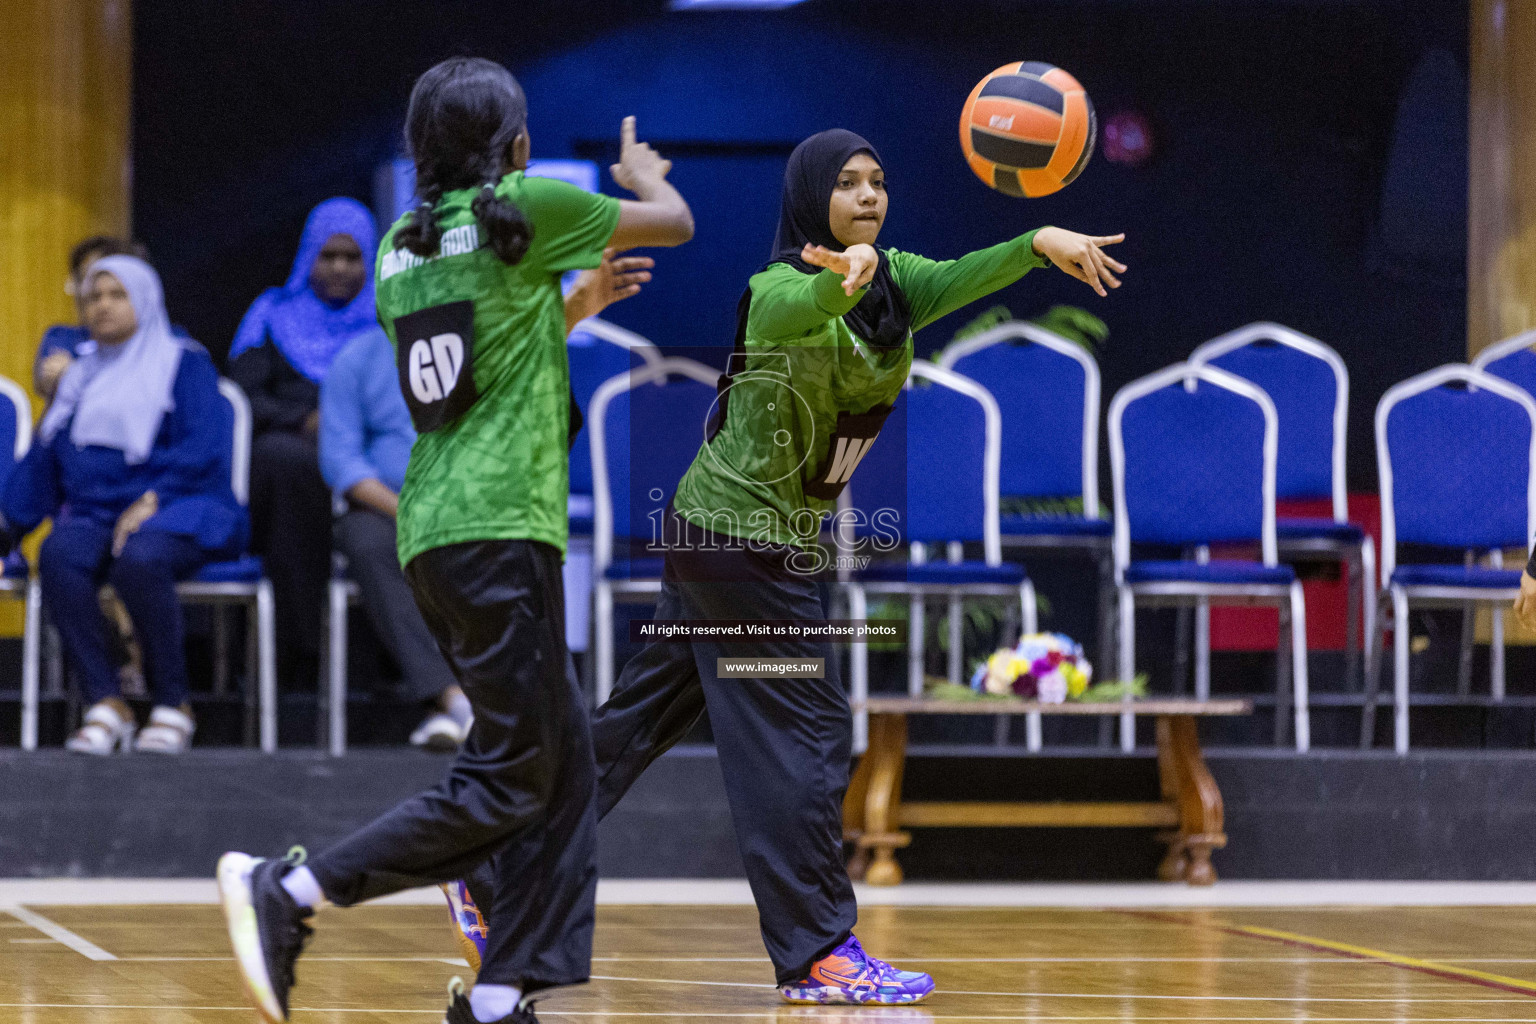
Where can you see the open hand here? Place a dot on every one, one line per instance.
(639, 165)
(1082, 256)
(133, 517)
(613, 280)
(857, 263)
(1525, 604)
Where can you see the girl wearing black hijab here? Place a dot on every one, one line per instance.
(823, 346)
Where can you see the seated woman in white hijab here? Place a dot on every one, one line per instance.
(132, 463)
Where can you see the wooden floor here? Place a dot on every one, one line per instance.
(170, 965)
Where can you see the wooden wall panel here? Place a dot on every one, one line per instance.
(64, 164)
(1501, 215)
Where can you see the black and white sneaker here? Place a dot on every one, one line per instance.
(460, 1013)
(266, 927)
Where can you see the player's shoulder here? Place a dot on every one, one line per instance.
(517, 185)
(550, 199)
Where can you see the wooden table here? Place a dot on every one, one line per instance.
(1190, 811)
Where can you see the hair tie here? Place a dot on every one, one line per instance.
(489, 186)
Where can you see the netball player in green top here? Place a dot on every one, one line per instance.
(469, 293)
(823, 347)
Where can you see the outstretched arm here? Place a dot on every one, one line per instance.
(935, 288)
(661, 215)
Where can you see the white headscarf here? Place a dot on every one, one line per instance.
(119, 394)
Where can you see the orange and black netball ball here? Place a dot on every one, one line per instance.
(1027, 129)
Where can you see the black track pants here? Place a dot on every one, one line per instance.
(521, 791)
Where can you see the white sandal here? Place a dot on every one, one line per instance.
(103, 731)
(169, 732)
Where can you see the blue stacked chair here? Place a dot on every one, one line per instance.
(1174, 487)
(1513, 359)
(937, 492)
(243, 582)
(1456, 451)
(1309, 384)
(597, 351)
(1047, 389)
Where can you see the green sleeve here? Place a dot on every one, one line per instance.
(570, 226)
(787, 303)
(934, 288)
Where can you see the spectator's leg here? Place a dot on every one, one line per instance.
(71, 566)
(367, 538)
(145, 576)
(291, 528)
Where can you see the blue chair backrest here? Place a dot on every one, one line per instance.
(1454, 462)
(1041, 393)
(1304, 390)
(15, 426)
(927, 476)
(1518, 367)
(592, 360)
(946, 443)
(1190, 462)
(651, 433)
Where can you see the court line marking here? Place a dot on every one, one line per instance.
(1434, 968)
(425, 958)
(59, 933)
(1322, 895)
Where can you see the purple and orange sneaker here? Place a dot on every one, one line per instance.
(468, 922)
(850, 975)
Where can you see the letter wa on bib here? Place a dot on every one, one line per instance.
(849, 443)
(435, 354)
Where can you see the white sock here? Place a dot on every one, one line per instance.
(492, 1002)
(458, 709)
(301, 885)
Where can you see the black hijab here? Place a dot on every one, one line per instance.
(882, 317)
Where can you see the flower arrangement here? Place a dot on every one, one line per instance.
(1048, 667)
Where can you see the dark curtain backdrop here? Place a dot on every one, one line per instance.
(1287, 136)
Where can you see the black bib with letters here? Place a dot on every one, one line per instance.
(435, 354)
(852, 439)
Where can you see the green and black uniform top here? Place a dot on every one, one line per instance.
(480, 347)
(816, 371)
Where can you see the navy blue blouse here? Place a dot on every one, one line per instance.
(188, 469)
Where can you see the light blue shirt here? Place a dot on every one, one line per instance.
(365, 427)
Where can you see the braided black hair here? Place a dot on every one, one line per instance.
(464, 116)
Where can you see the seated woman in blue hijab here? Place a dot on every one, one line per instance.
(280, 357)
(132, 463)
